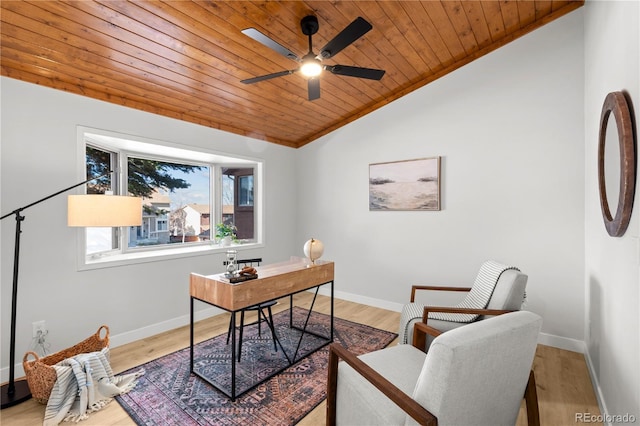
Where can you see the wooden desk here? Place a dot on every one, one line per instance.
(274, 282)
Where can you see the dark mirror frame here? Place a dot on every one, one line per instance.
(616, 103)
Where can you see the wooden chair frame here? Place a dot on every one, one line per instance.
(415, 288)
(402, 400)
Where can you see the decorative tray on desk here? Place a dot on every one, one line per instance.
(242, 278)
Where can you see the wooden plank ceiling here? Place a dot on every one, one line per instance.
(185, 59)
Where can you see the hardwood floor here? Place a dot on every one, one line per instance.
(563, 382)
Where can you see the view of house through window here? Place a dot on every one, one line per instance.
(177, 197)
(176, 200)
(237, 200)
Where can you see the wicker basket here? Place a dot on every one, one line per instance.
(41, 376)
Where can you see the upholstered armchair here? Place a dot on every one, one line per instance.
(502, 287)
(473, 375)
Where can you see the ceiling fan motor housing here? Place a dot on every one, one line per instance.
(309, 25)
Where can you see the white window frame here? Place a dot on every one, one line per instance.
(142, 147)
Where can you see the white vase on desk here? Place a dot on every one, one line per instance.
(225, 241)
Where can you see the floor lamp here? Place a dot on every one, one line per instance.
(84, 210)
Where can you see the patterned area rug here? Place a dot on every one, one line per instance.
(169, 395)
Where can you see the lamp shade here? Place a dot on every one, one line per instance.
(104, 210)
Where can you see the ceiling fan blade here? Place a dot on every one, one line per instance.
(314, 88)
(267, 77)
(370, 73)
(351, 33)
(263, 39)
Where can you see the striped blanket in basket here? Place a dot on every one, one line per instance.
(85, 384)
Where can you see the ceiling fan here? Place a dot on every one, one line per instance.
(311, 64)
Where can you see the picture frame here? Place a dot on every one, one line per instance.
(407, 185)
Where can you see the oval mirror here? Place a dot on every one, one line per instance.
(616, 163)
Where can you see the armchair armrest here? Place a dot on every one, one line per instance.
(452, 310)
(414, 288)
(421, 329)
(402, 400)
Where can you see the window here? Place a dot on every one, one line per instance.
(245, 186)
(237, 198)
(99, 163)
(172, 192)
(178, 188)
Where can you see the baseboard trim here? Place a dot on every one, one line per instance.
(596, 385)
(369, 301)
(131, 336)
(161, 327)
(560, 342)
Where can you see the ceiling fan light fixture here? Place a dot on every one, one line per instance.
(311, 67)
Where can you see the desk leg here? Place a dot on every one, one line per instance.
(233, 356)
(291, 311)
(191, 336)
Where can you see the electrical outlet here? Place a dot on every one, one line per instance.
(39, 327)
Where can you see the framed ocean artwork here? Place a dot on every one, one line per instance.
(405, 185)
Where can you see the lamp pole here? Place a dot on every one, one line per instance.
(16, 392)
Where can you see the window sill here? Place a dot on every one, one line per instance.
(109, 261)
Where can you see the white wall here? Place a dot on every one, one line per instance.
(39, 157)
(612, 280)
(509, 128)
